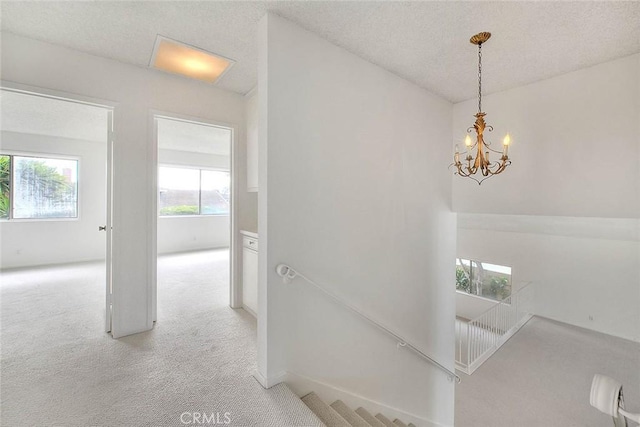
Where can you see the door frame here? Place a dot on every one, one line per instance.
(235, 292)
(111, 107)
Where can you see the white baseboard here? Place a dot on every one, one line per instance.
(302, 385)
(270, 381)
(248, 310)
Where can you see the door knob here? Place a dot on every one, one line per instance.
(102, 228)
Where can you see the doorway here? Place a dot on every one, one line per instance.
(194, 217)
(55, 214)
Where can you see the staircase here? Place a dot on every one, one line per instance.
(340, 415)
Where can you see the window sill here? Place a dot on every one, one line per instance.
(192, 216)
(495, 301)
(23, 220)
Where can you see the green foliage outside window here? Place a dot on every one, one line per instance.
(462, 280)
(500, 287)
(5, 182)
(179, 210)
(483, 279)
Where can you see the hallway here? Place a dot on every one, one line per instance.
(59, 367)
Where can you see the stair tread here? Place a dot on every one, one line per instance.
(349, 414)
(399, 423)
(384, 420)
(323, 411)
(373, 421)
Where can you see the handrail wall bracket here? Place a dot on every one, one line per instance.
(287, 273)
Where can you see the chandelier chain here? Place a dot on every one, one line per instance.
(479, 77)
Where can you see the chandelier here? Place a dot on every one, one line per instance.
(469, 166)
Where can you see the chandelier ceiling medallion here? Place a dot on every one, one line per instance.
(481, 148)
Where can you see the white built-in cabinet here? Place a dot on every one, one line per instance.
(250, 272)
(252, 142)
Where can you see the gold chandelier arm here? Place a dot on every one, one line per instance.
(501, 166)
(488, 145)
(460, 170)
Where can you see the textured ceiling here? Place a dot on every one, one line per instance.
(51, 117)
(425, 42)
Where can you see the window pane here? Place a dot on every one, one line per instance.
(215, 192)
(483, 279)
(494, 281)
(45, 188)
(463, 274)
(179, 191)
(5, 183)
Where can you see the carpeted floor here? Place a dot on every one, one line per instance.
(542, 377)
(59, 368)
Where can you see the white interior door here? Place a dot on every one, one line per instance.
(108, 225)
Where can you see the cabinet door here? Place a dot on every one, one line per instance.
(250, 280)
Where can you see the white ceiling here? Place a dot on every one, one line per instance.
(425, 42)
(51, 117)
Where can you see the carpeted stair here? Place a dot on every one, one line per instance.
(338, 414)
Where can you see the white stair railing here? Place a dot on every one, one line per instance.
(479, 338)
(288, 274)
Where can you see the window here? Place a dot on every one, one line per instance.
(483, 279)
(185, 191)
(5, 186)
(38, 187)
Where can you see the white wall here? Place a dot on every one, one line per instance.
(565, 214)
(190, 233)
(471, 306)
(252, 140)
(248, 219)
(40, 242)
(575, 146)
(353, 193)
(137, 92)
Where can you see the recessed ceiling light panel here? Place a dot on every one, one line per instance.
(179, 58)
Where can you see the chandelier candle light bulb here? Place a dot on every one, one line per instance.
(505, 142)
(481, 162)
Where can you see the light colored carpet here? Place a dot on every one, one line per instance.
(349, 414)
(325, 412)
(542, 377)
(365, 415)
(59, 367)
